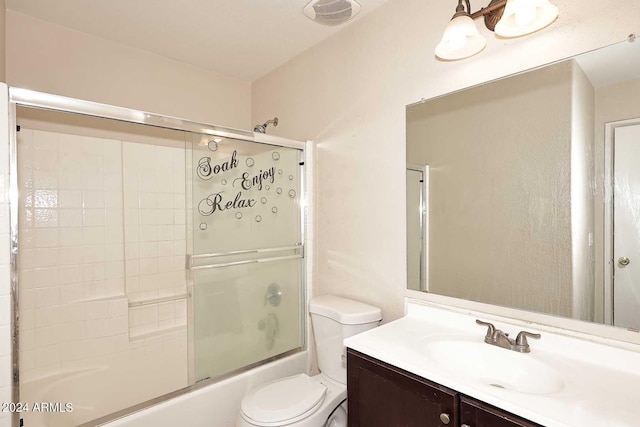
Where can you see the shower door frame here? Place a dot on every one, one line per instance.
(45, 101)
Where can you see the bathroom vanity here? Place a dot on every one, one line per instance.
(380, 394)
(434, 368)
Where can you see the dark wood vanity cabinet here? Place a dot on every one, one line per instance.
(382, 395)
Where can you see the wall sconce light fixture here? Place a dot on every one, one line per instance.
(507, 18)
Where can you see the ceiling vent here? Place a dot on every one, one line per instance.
(331, 12)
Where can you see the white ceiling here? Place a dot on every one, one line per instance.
(240, 38)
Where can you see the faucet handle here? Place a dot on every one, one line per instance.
(521, 340)
(491, 330)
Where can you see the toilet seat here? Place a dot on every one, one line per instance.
(284, 401)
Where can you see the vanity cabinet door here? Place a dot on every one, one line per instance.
(474, 413)
(381, 395)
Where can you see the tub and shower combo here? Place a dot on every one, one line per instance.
(151, 257)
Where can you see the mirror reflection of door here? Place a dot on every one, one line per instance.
(417, 201)
(626, 226)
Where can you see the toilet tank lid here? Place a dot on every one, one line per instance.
(343, 310)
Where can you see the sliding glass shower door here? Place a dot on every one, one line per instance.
(105, 205)
(245, 253)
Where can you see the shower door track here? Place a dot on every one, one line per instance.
(45, 101)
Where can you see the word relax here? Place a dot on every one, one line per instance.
(215, 202)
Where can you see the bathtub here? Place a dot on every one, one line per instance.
(102, 390)
(103, 385)
(93, 392)
(216, 405)
(80, 388)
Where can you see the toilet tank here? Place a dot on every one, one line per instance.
(334, 319)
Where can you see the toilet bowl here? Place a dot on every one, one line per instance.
(320, 400)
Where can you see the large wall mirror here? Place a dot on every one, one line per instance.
(524, 192)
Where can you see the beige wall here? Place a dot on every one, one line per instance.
(51, 58)
(349, 95)
(3, 48)
(582, 195)
(500, 190)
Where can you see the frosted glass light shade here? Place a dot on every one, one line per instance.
(522, 17)
(461, 39)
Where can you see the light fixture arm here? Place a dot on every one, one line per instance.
(493, 6)
(492, 13)
(460, 10)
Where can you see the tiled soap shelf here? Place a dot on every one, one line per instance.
(140, 303)
(157, 332)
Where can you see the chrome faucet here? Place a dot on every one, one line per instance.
(501, 339)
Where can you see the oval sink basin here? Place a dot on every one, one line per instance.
(493, 366)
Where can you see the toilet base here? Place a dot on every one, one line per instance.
(338, 417)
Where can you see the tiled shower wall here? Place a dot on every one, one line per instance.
(71, 259)
(91, 243)
(155, 236)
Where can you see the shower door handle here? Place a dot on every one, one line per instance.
(192, 259)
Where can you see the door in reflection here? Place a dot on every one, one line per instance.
(626, 227)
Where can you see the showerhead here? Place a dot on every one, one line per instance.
(263, 127)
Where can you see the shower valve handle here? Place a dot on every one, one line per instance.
(273, 295)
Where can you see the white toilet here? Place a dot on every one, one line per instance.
(320, 400)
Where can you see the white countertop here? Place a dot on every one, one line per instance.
(600, 384)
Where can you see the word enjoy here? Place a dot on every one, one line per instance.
(257, 180)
